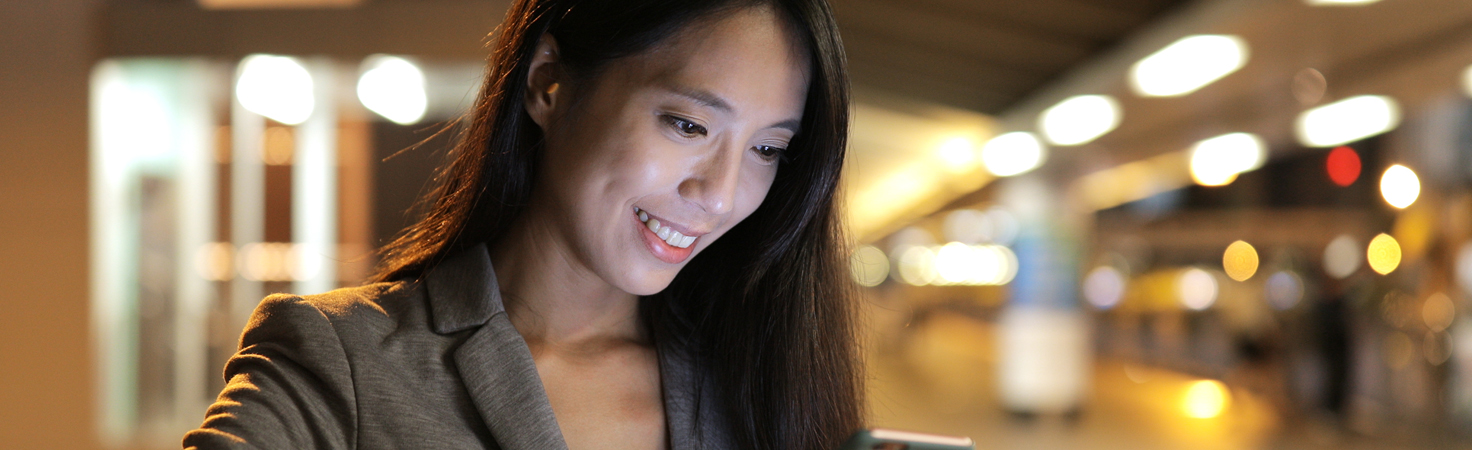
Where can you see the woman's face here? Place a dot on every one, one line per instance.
(663, 152)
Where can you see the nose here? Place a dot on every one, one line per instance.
(712, 184)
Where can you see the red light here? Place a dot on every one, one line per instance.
(1343, 165)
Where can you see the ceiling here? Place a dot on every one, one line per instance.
(980, 55)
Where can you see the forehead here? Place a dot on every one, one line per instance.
(749, 57)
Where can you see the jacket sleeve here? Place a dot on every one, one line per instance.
(289, 386)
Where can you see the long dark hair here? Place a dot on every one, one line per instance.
(768, 308)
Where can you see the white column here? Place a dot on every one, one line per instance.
(314, 187)
(247, 201)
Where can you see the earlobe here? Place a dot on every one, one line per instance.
(543, 81)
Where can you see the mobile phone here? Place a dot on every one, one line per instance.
(886, 439)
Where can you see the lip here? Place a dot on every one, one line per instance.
(658, 247)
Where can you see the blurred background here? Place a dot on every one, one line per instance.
(1080, 224)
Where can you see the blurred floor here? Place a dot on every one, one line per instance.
(940, 376)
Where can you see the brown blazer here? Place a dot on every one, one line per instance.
(430, 363)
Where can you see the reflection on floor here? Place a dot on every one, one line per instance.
(940, 377)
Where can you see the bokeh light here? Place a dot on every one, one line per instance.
(1205, 399)
(277, 87)
(974, 265)
(901, 241)
(1079, 119)
(1383, 254)
(1197, 289)
(1437, 347)
(1012, 154)
(1347, 121)
(1283, 290)
(869, 265)
(917, 266)
(956, 263)
(1217, 161)
(1104, 287)
(1342, 256)
(1399, 186)
(1343, 165)
(1438, 311)
(959, 154)
(1188, 64)
(394, 88)
(1240, 261)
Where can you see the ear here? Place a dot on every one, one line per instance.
(544, 80)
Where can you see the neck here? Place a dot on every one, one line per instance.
(553, 298)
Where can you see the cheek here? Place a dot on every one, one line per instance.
(750, 193)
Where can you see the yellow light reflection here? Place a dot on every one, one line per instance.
(1383, 254)
(1205, 399)
(1240, 261)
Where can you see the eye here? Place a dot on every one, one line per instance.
(685, 127)
(769, 154)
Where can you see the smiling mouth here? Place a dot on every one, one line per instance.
(669, 236)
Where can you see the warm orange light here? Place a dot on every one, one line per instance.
(1205, 399)
(1383, 254)
(1240, 261)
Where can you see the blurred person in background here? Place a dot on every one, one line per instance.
(634, 245)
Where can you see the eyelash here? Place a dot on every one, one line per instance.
(689, 129)
(686, 128)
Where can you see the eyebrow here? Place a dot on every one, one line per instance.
(703, 97)
(712, 100)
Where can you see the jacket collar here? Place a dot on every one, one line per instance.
(462, 291)
(494, 362)
(498, 371)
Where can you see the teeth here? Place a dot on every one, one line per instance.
(671, 237)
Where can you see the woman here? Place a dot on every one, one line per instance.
(635, 245)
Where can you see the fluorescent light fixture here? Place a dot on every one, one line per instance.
(1079, 119)
(394, 88)
(1188, 64)
(1012, 153)
(277, 87)
(1347, 121)
(1217, 161)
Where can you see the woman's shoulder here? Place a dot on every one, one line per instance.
(371, 309)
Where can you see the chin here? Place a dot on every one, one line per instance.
(648, 283)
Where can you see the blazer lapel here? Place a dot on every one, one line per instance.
(502, 379)
(494, 362)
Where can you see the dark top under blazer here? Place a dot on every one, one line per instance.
(430, 363)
